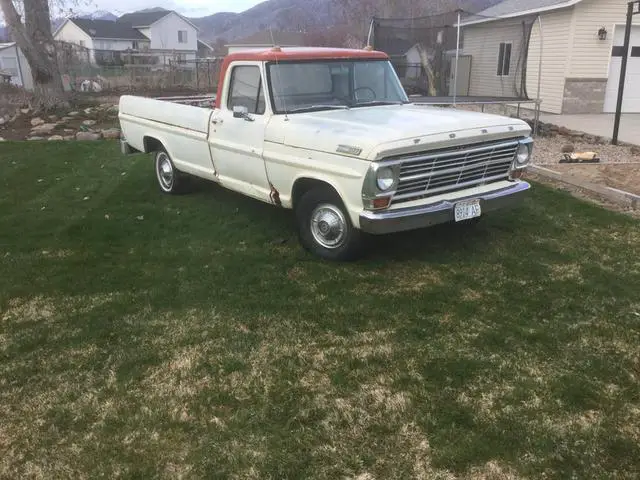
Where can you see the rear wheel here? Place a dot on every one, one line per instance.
(169, 178)
(324, 226)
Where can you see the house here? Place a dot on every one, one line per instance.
(266, 39)
(163, 35)
(14, 66)
(103, 39)
(567, 53)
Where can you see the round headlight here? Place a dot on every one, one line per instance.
(523, 155)
(385, 179)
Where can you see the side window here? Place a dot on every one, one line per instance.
(246, 90)
(504, 59)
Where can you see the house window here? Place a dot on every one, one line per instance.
(81, 42)
(246, 90)
(134, 45)
(619, 51)
(182, 36)
(504, 60)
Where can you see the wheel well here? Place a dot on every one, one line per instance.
(151, 144)
(303, 185)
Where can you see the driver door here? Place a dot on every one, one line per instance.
(237, 137)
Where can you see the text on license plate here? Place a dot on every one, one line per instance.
(467, 210)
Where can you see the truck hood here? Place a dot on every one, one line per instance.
(398, 128)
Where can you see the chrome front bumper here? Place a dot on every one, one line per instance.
(413, 218)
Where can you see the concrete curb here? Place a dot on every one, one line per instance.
(611, 194)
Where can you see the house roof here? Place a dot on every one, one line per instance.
(143, 19)
(264, 38)
(147, 18)
(517, 8)
(107, 29)
(4, 46)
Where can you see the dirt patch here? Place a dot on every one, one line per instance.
(584, 194)
(623, 176)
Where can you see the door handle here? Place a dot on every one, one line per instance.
(216, 121)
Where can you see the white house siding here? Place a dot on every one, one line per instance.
(164, 34)
(590, 57)
(482, 42)
(587, 71)
(556, 42)
(71, 33)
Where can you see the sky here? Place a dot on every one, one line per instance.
(192, 8)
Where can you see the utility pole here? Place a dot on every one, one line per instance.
(623, 69)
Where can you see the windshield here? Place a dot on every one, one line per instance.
(324, 85)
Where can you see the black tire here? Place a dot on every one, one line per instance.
(170, 179)
(323, 207)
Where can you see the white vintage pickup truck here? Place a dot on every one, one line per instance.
(331, 134)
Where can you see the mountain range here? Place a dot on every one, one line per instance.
(304, 15)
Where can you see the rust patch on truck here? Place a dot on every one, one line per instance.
(274, 196)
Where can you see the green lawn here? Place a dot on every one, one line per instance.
(144, 336)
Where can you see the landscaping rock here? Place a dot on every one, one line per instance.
(111, 133)
(37, 121)
(44, 128)
(73, 114)
(55, 137)
(564, 131)
(635, 150)
(69, 130)
(89, 123)
(88, 136)
(52, 118)
(2, 121)
(69, 137)
(88, 111)
(35, 138)
(66, 119)
(24, 111)
(2, 139)
(568, 148)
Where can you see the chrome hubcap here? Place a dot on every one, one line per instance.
(165, 171)
(328, 226)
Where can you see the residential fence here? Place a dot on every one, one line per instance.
(100, 70)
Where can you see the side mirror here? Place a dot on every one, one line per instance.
(240, 112)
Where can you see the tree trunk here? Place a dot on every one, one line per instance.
(36, 42)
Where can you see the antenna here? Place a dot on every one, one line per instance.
(277, 49)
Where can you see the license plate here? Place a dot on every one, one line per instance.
(466, 210)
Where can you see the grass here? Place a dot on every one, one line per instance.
(147, 336)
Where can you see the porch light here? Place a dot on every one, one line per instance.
(602, 33)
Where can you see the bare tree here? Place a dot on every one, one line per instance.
(35, 39)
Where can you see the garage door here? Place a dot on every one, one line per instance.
(631, 100)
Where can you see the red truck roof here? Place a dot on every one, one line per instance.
(295, 53)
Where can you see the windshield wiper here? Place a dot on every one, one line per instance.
(319, 107)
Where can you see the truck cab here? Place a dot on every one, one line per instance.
(332, 135)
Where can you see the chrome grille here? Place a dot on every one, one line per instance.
(449, 170)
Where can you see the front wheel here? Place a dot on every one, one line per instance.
(169, 178)
(324, 226)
